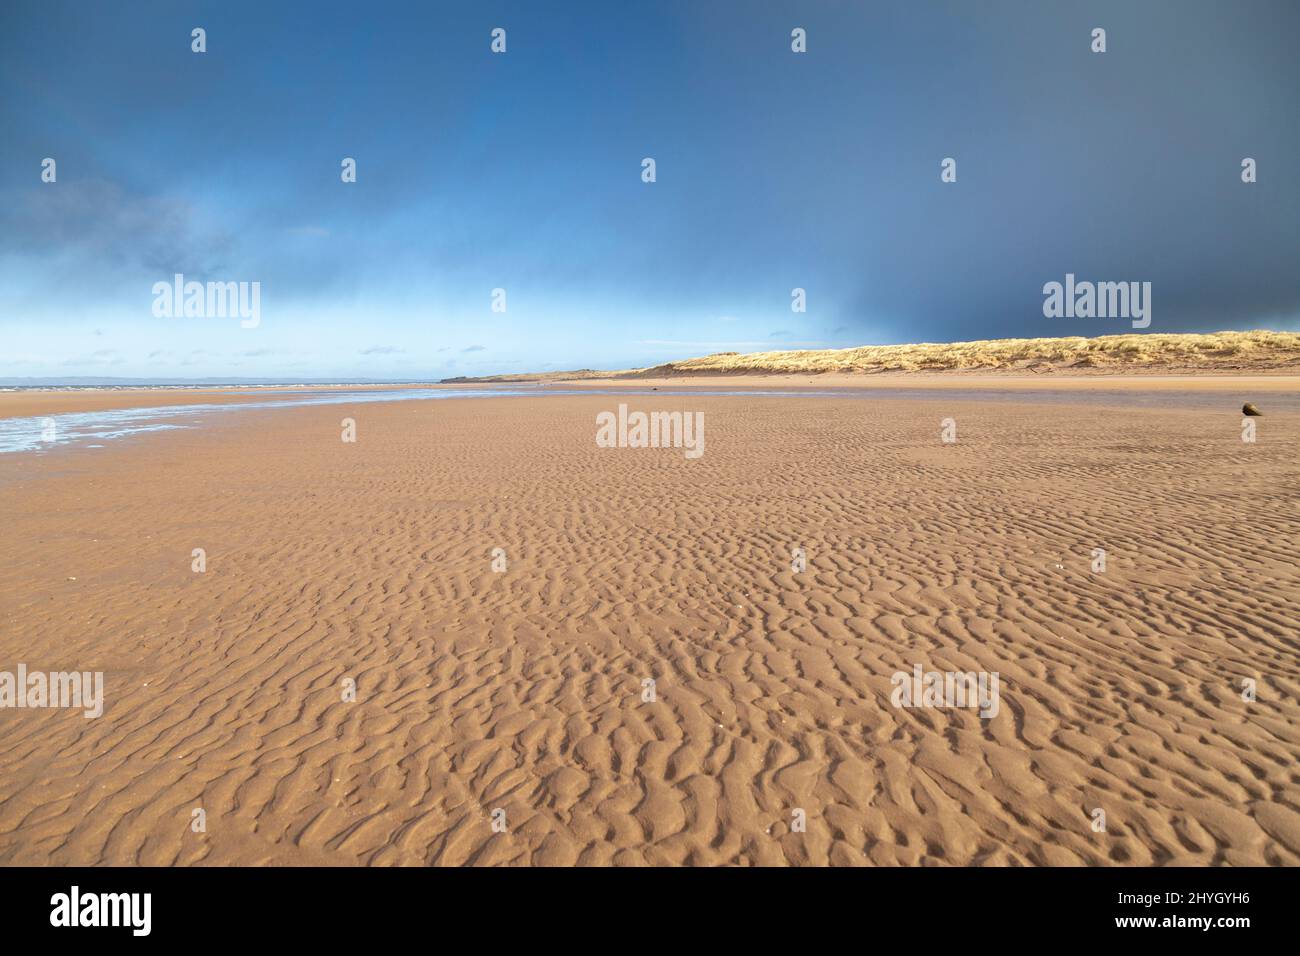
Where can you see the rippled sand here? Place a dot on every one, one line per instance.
(523, 691)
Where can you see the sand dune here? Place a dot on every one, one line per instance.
(1148, 353)
(522, 691)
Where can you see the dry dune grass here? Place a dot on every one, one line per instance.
(1235, 351)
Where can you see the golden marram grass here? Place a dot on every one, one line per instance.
(1217, 350)
(1239, 352)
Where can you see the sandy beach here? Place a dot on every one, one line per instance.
(517, 696)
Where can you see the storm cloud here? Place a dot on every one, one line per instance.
(775, 170)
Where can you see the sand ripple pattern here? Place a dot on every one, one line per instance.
(523, 690)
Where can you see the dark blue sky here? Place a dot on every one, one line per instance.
(522, 171)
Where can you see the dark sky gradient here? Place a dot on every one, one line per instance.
(522, 171)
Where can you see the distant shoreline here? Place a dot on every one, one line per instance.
(1239, 388)
(1188, 360)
